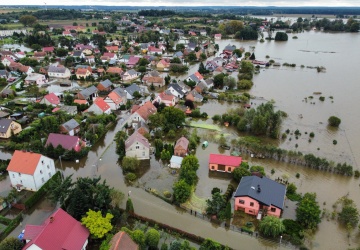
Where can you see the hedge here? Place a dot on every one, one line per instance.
(4, 220)
(29, 203)
(12, 225)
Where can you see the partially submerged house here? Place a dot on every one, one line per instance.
(181, 147)
(223, 163)
(68, 142)
(137, 146)
(260, 196)
(29, 171)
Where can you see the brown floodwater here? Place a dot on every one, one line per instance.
(288, 87)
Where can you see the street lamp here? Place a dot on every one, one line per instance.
(280, 240)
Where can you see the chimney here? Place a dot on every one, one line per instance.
(258, 189)
(52, 219)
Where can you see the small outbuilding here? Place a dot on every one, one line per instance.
(175, 161)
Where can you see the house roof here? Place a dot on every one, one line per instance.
(108, 54)
(182, 142)
(112, 48)
(165, 97)
(56, 69)
(146, 110)
(78, 101)
(69, 109)
(52, 98)
(122, 241)
(115, 97)
(48, 49)
(70, 125)
(115, 70)
(59, 231)
(81, 71)
(68, 142)
(177, 88)
(86, 93)
(133, 60)
(132, 72)
(225, 160)
(106, 83)
(132, 88)
(4, 125)
(33, 77)
(270, 193)
(136, 137)
(176, 159)
(101, 104)
(24, 162)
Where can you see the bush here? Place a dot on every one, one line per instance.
(334, 121)
(130, 177)
(357, 174)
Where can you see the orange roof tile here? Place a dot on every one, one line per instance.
(115, 97)
(24, 162)
(101, 104)
(78, 101)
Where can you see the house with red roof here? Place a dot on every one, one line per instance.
(133, 60)
(217, 36)
(50, 99)
(114, 70)
(29, 171)
(81, 102)
(137, 146)
(122, 241)
(112, 49)
(48, 49)
(168, 99)
(110, 55)
(82, 73)
(181, 147)
(152, 50)
(223, 163)
(68, 142)
(59, 231)
(99, 107)
(6, 60)
(163, 65)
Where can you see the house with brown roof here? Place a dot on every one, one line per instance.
(142, 113)
(153, 78)
(122, 241)
(8, 127)
(82, 73)
(29, 171)
(181, 147)
(116, 98)
(168, 99)
(114, 70)
(71, 127)
(137, 146)
(50, 99)
(59, 231)
(68, 142)
(105, 85)
(99, 107)
(133, 60)
(40, 55)
(112, 49)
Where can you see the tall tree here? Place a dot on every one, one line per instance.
(28, 20)
(11, 243)
(271, 226)
(308, 212)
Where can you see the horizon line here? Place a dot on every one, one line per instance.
(175, 6)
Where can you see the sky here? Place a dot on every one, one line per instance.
(283, 3)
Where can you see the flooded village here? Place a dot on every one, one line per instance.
(180, 132)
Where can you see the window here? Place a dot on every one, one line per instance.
(137, 147)
(49, 174)
(251, 204)
(19, 174)
(241, 201)
(21, 181)
(212, 167)
(13, 176)
(42, 162)
(229, 169)
(42, 179)
(40, 171)
(143, 153)
(273, 209)
(48, 167)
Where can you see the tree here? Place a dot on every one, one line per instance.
(152, 238)
(229, 81)
(182, 191)
(246, 67)
(28, 20)
(349, 215)
(210, 244)
(239, 172)
(216, 204)
(219, 80)
(271, 226)
(129, 206)
(189, 166)
(308, 212)
(11, 243)
(281, 36)
(68, 100)
(130, 164)
(174, 118)
(97, 224)
(334, 121)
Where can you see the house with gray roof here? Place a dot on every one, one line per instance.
(71, 127)
(176, 90)
(4, 74)
(89, 93)
(130, 90)
(260, 196)
(137, 146)
(105, 85)
(58, 72)
(8, 127)
(70, 110)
